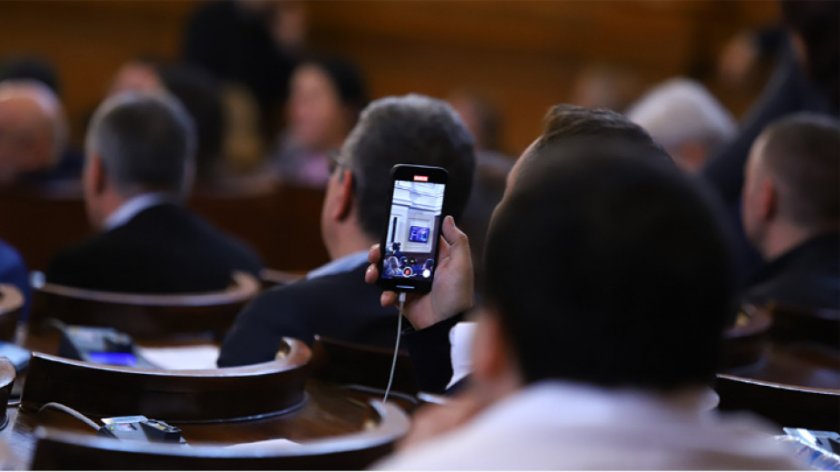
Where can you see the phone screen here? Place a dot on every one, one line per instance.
(411, 240)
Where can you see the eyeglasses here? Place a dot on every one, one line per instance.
(335, 161)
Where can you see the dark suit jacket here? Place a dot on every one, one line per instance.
(806, 276)
(163, 249)
(340, 306)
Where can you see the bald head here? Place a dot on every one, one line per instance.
(32, 128)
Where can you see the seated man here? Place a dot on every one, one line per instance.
(334, 301)
(138, 171)
(596, 355)
(791, 212)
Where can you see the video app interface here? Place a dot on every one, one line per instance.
(415, 218)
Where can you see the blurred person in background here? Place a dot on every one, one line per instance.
(33, 130)
(684, 118)
(791, 212)
(325, 100)
(139, 170)
(601, 85)
(807, 78)
(13, 271)
(255, 43)
(492, 166)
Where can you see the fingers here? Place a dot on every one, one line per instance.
(451, 233)
(388, 299)
(374, 254)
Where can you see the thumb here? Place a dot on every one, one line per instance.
(451, 233)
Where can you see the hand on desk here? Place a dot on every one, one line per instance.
(452, 289)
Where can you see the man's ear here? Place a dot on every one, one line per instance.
(768, 200)
(98, 177)
(345, 196)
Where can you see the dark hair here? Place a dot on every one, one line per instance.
(567, 121)
(803, 151)
(412, 129)
(609, 267)
(817, 22)
(145, 141)
(346, 78)
(201, 96)
(30, 68)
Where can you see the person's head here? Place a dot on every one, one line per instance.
(565, 121)
(684, 118)
(480, 117)
(33, 131)
(325, 99)
(137, 143)
(790, 187)
(411, 129)
(605, 266)
(815, 31)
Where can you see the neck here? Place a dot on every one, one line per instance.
(783, 237)
(348, 240)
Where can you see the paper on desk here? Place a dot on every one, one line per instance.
(200, 356)
(267, 444)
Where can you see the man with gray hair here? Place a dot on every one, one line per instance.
(138, 171)
(334, 300)
(685, 119)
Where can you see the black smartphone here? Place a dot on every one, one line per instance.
(410, 241)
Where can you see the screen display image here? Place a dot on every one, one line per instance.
(414, 221)
(418, 234)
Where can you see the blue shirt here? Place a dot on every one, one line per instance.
(14, 272)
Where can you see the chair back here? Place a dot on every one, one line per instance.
(63, 450)
(11, 304)
(805, 325)
(272, 219)
(141, 315)
(208, 395)
(746, 342)
(784, 404)
(348, 363)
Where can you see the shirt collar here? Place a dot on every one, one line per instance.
(342, 264)
(128, 210)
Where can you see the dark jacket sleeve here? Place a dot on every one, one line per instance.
(430, 353)
(256, 335)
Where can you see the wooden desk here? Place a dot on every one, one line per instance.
(329, 410)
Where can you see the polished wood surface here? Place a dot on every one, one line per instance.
(784, 404)
(62, 450)
(793, 324)
(143, 316)
(355, 364)
(746, 342)
(327, 411)
(11, 304)
(253, 391)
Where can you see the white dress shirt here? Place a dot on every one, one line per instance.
(128, 210)
(556, 425)
(342, 264)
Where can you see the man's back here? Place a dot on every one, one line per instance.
(807, 276)
(163, 249)
(338, 305)
(567, 426)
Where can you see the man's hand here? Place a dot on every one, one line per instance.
(452, 288)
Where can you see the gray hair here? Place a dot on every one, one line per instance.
(412, 129)
(146, 142)
(681, 110)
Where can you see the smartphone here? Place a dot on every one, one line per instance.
(410, 242)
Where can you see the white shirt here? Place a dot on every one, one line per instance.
(128, 210)
(342, 264)
(556, 425)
